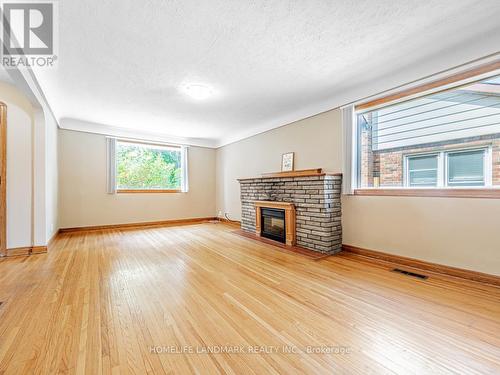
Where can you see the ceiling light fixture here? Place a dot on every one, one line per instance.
(197, 91)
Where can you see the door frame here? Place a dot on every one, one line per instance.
(3, 181)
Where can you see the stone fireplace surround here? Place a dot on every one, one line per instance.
(316, 198)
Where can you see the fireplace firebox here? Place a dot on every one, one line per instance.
(277, 222)
(273, 224)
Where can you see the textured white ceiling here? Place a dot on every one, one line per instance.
(121, 62)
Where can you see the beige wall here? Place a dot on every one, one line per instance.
(315, 141)
(83, 200)
(459, 232)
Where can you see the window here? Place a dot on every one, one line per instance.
(446, 140)
(422, 170)
(466, 168)
(140, 167)
(456, 168)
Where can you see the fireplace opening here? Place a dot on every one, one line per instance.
(273, 224)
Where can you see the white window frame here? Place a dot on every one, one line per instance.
(487, 166)
(442, 180)
(406, 169)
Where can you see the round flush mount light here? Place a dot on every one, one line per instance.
(197, 91)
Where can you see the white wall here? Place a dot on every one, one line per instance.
(82, 189)
(20, 117)
(31, 169)
(39, 179)
(52, 173)
(460, 232)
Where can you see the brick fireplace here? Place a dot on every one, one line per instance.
(314, 198)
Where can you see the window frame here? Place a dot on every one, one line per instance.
(450, 82)
(406, 169)
(148, 191)
(442, 168)
(487, 166)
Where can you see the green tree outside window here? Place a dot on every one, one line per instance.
(147, 167)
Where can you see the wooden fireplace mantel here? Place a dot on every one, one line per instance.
(299, 173)
(274, 204)
(289, 218)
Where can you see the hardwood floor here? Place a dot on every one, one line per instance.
(117, 301)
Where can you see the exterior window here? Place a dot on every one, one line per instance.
(457, 168)
(466, 168)
(141, 167)
(446, 139)
(423, 171)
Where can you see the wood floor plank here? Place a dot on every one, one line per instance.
(167, 300)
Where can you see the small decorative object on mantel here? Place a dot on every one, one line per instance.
(287, 162)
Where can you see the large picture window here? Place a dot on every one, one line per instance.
(447, 140)
(143, 167)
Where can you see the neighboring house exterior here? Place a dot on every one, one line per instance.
(449, 139)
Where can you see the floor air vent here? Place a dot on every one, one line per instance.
(412, 274)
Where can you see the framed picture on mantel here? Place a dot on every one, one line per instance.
(287, 162)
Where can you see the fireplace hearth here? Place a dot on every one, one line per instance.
(273, 225)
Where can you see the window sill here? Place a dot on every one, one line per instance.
(146, 191)
(443, 193)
